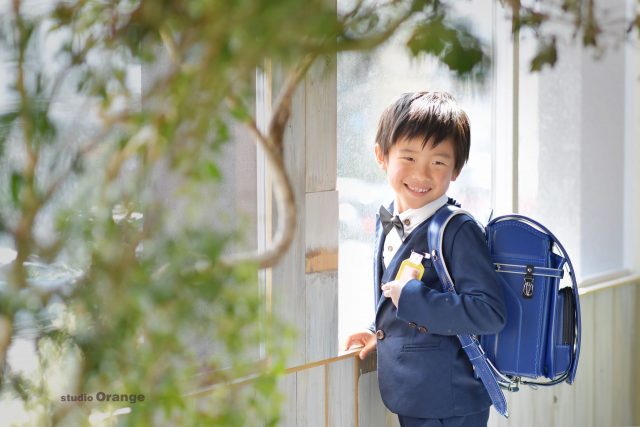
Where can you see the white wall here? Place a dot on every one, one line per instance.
(572, 147)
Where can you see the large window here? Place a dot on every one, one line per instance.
(367, 83)
(550, 145)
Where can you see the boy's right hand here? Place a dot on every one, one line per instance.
(366, 338)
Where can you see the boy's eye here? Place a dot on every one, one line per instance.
(439, 163)
(407, 158)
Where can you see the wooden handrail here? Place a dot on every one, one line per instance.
(588, 287)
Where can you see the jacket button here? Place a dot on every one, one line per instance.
(422, 329)
(380, 334)
(412, 324)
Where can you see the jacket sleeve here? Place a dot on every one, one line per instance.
(477, 307)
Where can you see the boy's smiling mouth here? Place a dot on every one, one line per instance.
(417, 189)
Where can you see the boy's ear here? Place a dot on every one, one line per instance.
(455, 175)
(380, 157)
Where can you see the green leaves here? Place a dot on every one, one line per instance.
(547, 54)
(17, 183)
(531, 19)
(591, 29)
(154, 310)
(452, 43)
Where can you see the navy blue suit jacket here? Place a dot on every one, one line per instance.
(422, 370)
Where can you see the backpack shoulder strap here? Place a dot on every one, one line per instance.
(469, 343)
(435, 233)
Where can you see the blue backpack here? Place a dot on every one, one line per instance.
(540, 343)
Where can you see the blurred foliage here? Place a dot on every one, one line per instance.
(112, 287)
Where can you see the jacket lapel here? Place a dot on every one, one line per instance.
(377, 259)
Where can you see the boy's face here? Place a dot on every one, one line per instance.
(418, 175)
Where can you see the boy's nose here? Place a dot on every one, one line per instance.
(422, 178)
(424, 174)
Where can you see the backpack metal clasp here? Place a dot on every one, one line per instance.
(527, 290)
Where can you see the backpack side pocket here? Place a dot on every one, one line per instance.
(564, 334)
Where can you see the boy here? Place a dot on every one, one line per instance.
(424, 375)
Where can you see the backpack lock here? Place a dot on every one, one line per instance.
(527, 290)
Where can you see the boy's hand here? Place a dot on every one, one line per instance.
(394, 288)
(367, 339)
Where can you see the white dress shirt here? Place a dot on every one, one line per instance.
(411, 218)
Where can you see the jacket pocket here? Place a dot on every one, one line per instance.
(409, 348)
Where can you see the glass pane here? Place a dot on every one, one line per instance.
(367, 84)
(571, 149)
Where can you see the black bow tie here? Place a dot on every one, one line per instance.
(389, 221)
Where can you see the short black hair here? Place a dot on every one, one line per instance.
(426, 114)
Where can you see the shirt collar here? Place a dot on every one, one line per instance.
(411, 218)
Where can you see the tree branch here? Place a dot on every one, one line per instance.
(282, 110)
(282, 188)
(370, 42)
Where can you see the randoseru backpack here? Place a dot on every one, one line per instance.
(540, 342)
